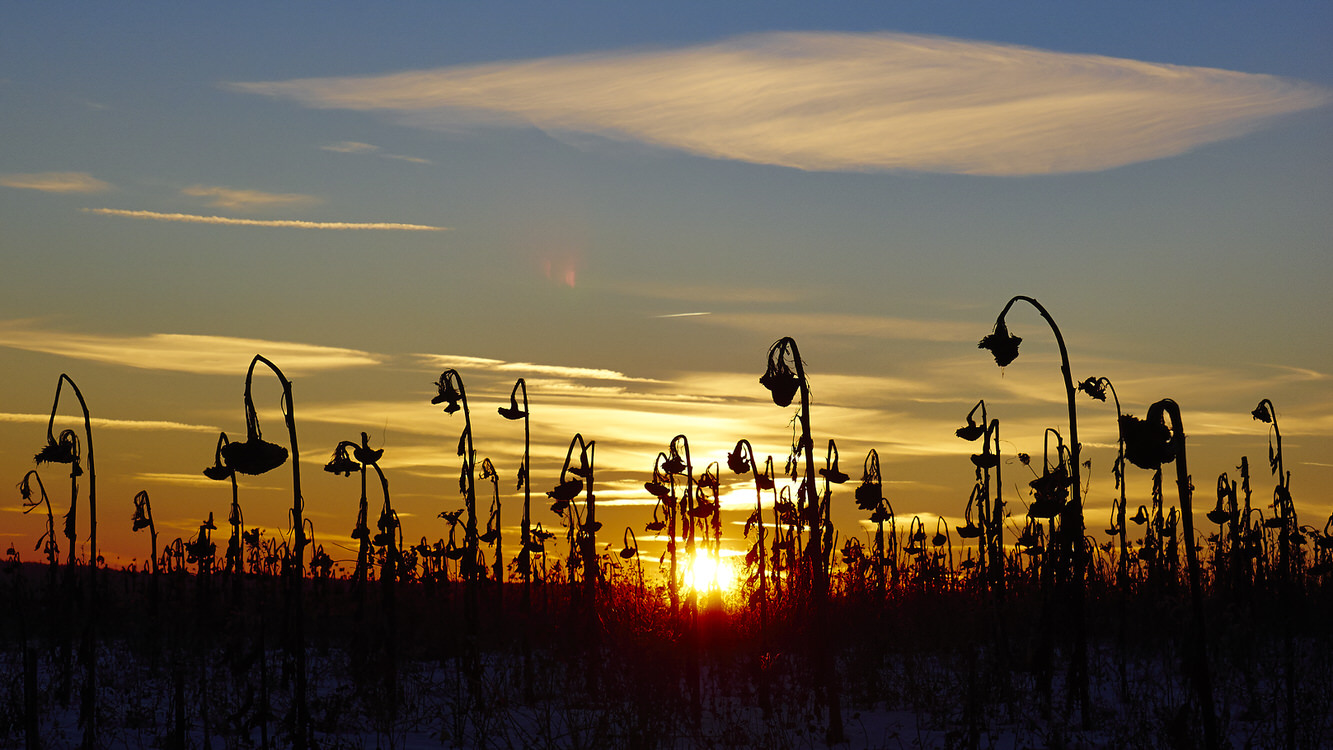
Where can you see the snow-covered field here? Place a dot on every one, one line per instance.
(907, 676)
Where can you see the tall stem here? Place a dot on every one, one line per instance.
(1071, 518)
(296, 571)
(527, 494)
(824, 660)
(92, 470)
(1198, 646)
(88, 709)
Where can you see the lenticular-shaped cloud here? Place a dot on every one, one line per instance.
(857, 102)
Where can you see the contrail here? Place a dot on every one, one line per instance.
(292, 223)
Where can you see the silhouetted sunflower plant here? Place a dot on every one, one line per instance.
(942, 555)
(65, 450)
(1226, 543)
(1323, 546)
(870, 496)
(741, 461)
(1253, 552)
(989, 532)
(784, 378)
(234, 564)
(257, 456)
(663, 487)
(351, 457)
(343, 464)
(537, 546)
(786, 559)
(143, 519)
(1160, 444)
(582, 527)
(388, 540)
(46, 543)
(515, 412)
(202, 552)
(679, 462)
(1070, 546)
(492, 534)
(452, 550)
(1284, 510)
(916, 551)
(1096, 388)
(453, 395)
(707, 511)
(832, 475)
(1148, 446)
(630, 551)
(173, 556)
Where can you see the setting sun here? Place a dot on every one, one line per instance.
(709, 573)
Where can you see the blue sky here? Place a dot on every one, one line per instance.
(1181, 243)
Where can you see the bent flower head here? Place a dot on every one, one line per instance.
(447, 392)
(1001, 344)
(254, 456)
(1147, 444)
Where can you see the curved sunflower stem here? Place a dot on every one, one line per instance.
(778, 379)
(1198, 646)
(1071, 545)
(744, 453)
(88, 703)
(295, 569)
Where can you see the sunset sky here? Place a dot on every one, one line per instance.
(626, 205)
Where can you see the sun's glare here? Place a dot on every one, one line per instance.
(705, 572)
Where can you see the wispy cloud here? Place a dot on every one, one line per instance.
(559, 371)
(105, 424)
(351, 147)
(223, 197)
(55, 182)
(857, 326)
(830, 101)
(211, 355)
(410, 159)
(284, 223)
(357, 147)
(711, 293)
(186, 480)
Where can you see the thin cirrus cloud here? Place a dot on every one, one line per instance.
(204, 355)
(857, 326)
(223, 197)
(111, 424)
(357, 147)
(528, 368)
(55, 182)
(351, 147)
(711, 293)
(280, 223)
(844, 102)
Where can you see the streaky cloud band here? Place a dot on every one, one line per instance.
(55, 182)
(113, 424)
(281, 223)
(190, 353)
